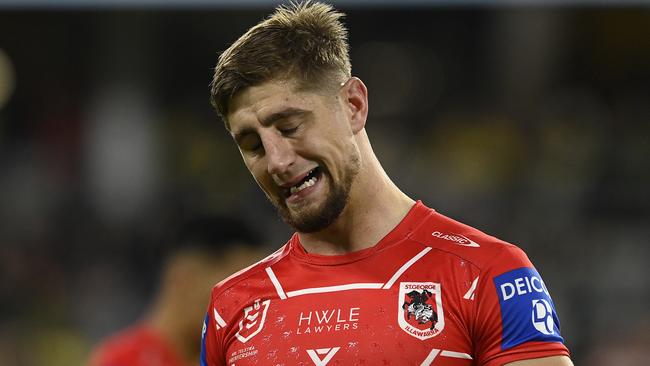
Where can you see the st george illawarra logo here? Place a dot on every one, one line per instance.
(420, 311)
(253, 320)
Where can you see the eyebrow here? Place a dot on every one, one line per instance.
(285, 113)
(272, 118)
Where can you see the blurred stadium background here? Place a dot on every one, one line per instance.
(531, 123)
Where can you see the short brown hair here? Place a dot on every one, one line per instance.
(302, 40)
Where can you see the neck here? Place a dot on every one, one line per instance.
(376, 205)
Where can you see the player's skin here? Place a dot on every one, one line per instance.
(329, 135)
(283, 132)
(546, 361)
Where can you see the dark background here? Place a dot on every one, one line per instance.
(529, 123)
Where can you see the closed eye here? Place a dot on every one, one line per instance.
(249, 142)
(288, 131)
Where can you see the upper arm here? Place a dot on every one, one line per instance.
(515, 315)
(546, 361)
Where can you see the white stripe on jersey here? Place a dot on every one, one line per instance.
(320, 290)
(276, 283)
(217, 318)
(351, 286)
(470, 293)
(406, 266)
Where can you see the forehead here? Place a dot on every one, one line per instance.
(254, 104)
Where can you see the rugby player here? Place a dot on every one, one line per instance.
(371, 276)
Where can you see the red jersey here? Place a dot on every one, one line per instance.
(137, 346)
(432, 292)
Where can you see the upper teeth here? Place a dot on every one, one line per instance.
(305, 184)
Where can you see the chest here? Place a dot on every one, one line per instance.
(404, 323)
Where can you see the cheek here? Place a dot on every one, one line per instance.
(257, 170)
(331, 149)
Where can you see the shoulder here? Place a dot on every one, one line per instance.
(455, 238)
(253, 271)
(241, 289)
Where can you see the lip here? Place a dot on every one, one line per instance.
(296, 180)
(299, 196)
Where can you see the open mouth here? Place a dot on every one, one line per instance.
(310, 179)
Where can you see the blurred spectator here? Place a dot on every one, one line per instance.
(208, 249)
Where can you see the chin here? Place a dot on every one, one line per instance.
(309, 220)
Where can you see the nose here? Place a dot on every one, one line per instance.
(279, 154)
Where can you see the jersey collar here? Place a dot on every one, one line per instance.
(412, 220)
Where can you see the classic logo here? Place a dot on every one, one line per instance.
(456, 238)
(420, 311)
(328, 352)
(253, 320)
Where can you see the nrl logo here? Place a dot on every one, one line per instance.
(420, 309)
(253, 320)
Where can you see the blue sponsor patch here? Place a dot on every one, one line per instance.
(204, 361)
(527, 311)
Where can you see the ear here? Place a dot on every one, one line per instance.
(355, 96)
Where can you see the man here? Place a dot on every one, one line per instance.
(370, 277)
(207, 249)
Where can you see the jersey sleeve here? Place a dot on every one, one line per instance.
(515, 315)
(211, 345)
